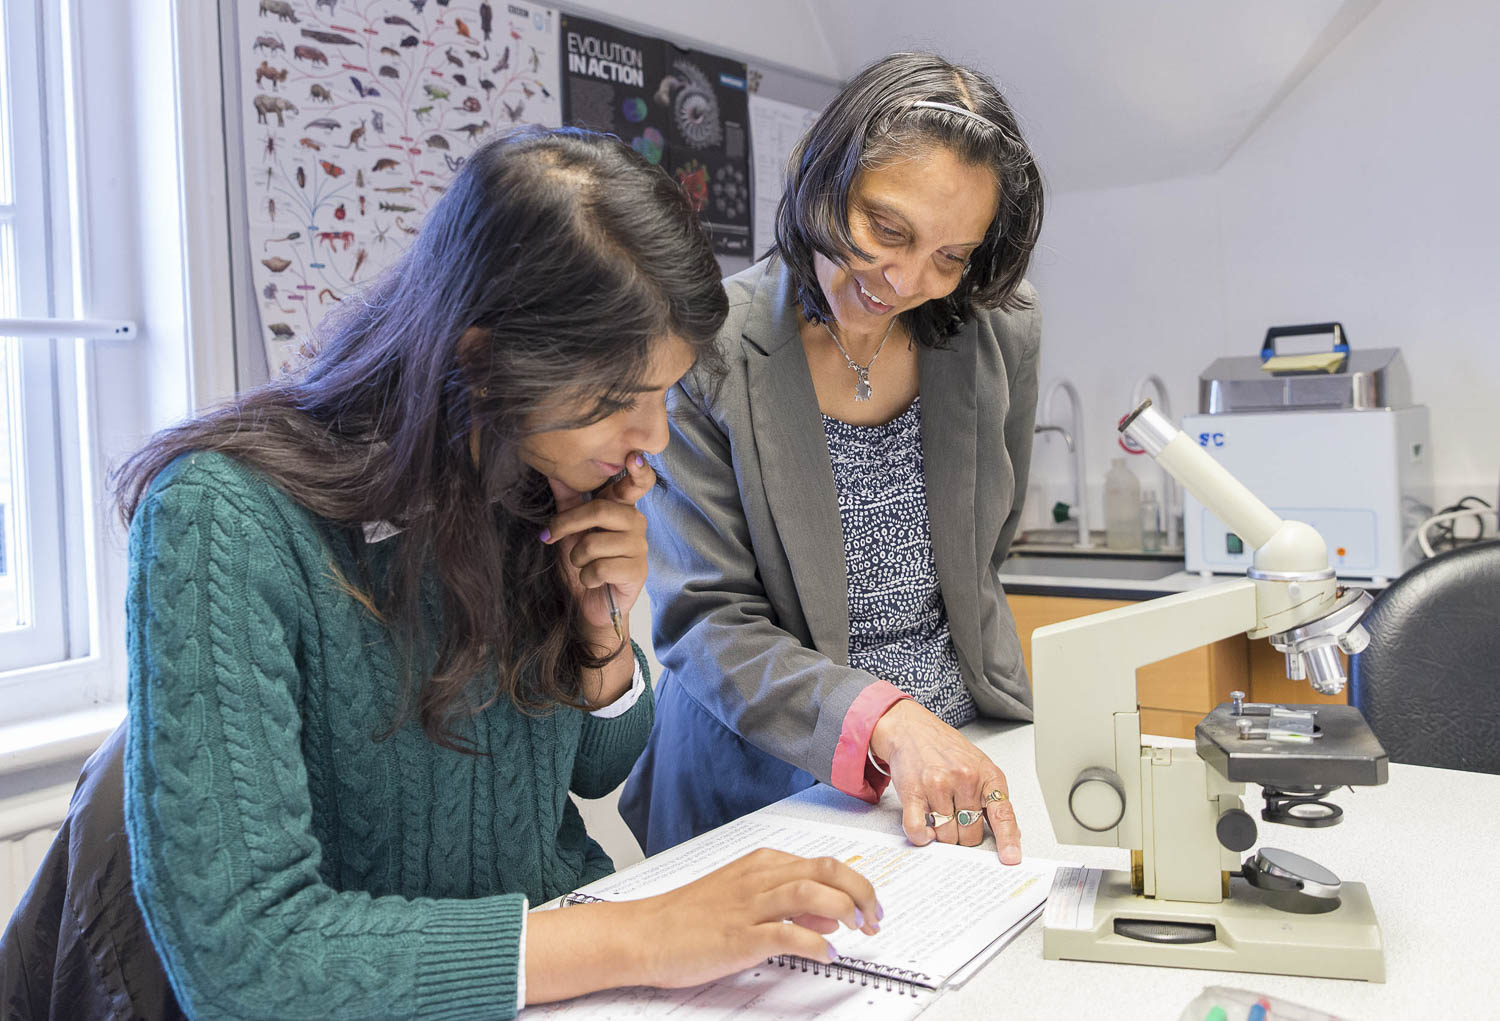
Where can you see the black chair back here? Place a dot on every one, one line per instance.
(1429, 683)
(77, 946)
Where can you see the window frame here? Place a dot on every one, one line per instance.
(142, 231)
(117, 229)
(44, 526)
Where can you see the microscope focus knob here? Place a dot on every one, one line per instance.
(1097, 799)
(1236, 830)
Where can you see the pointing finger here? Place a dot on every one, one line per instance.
(1002, 818)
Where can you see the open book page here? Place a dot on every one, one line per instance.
(764, 993)
(943, 904)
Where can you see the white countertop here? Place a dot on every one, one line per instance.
(1421, 843)
(1126, 588)
(1106, 588)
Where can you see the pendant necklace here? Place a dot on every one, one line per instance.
(862, 389)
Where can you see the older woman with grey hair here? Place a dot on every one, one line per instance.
(823, 549)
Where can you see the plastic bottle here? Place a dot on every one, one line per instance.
(1122, 508)
(1150, 522)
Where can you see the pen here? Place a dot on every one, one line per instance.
(614, 613)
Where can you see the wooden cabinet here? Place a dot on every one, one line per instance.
(1175, 693)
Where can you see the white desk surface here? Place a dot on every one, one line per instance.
(1425, 844)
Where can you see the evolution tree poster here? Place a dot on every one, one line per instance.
(356, 114)
(681, 109)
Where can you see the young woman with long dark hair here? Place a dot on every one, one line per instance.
(370, 632)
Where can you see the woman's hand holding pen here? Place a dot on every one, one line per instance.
(938, 772)
(602, 550)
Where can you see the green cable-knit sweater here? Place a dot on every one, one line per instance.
(288, 863)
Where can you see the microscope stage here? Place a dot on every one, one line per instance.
(1344, 750)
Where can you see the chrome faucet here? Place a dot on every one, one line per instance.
(1171, 495)
(1067, 436)
(1074, 440)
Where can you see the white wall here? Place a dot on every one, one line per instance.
(1129, 284)
(1368, 196)
(1371, 196)
(1111, 93)
(782, 32)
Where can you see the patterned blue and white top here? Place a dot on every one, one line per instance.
(898, 625)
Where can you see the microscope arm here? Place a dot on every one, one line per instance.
(1087, 717)
(1088, 731)
(1295, 582)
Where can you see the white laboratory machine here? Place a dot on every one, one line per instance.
(1331, 439)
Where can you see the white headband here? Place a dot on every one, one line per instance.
(930, 104)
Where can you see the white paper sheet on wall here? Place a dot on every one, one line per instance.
(775, 130)
(356, 114)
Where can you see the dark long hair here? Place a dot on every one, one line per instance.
(872, 120)
(573, 255)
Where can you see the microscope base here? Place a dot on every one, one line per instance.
(1249, 934)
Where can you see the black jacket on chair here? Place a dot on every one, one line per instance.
(76, 948)
(1429, 683)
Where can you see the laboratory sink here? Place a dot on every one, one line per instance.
(1072, 565)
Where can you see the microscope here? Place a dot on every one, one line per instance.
(1189, 901)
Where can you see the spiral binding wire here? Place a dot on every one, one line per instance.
(896, 980)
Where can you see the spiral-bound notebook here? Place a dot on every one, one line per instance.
(946, 907)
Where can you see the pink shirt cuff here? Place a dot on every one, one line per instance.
(852, 772)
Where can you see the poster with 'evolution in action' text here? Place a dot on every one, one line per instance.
(681, 109)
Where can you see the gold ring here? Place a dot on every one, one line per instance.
(996, 795)
(936, 819)
(969, 816)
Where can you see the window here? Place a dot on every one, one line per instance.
(45, 515)
(98, 220)
(33, 587)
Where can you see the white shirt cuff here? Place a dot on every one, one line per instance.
(622, 705)
(521, 959)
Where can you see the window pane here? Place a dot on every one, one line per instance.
(6, 188)
(11, 564)
(15, 610)
(34, 571)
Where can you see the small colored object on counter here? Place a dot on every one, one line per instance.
(1216, 1013)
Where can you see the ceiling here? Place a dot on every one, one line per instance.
(1112, 92)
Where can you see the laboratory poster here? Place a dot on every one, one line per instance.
(684, 110)
(775, 130)
(708, 141)
(356, 114)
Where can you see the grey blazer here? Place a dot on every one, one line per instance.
(748, 585)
